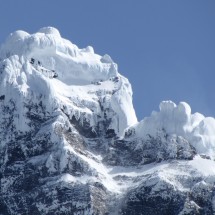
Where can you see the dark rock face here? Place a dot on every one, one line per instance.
(203, 194)
(135, 151)
(143, 201)
(39, 177)
(156, 196)
(29, 187)
(27, 184)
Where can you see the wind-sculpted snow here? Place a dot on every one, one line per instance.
(178, 120)
(86, 82)
(70, 142)
(74, 66)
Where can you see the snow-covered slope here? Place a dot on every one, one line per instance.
(70, 142)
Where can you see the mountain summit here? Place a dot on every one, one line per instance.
(70, 142)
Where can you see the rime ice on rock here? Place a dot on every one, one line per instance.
(77, 69)
(178, 120)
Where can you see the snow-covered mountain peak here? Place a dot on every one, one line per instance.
(178, 120)
(74, 65)
(82, 82)
(169, 106)
(70, 142)
(50, 30)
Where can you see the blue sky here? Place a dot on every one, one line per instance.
(166, 48)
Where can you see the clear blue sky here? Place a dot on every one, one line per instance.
(165, 47)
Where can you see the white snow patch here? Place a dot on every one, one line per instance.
(204, 166)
